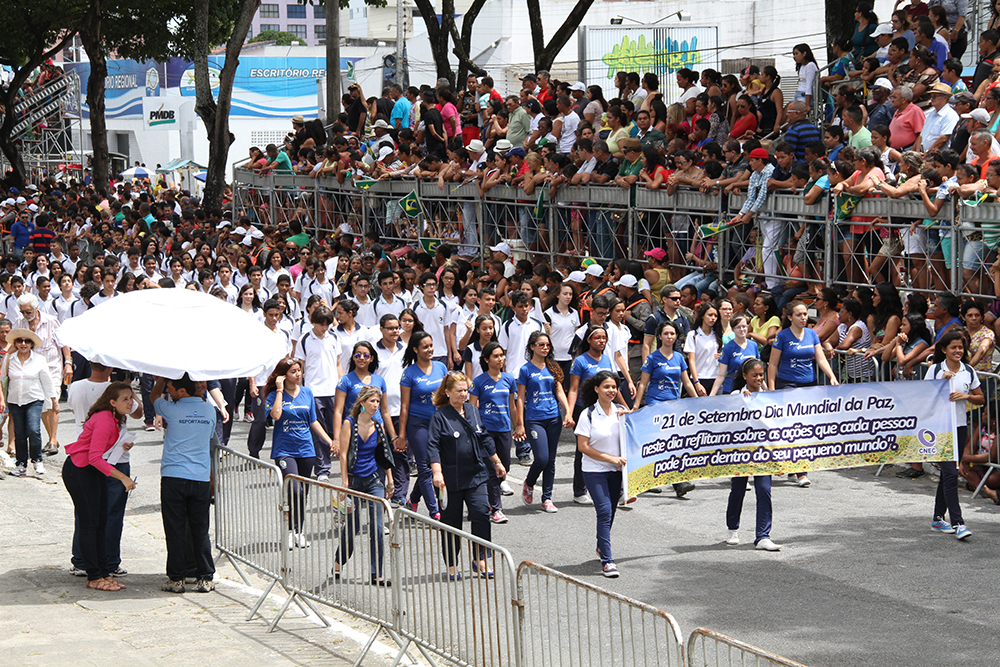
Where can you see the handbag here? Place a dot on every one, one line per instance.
(5, 379)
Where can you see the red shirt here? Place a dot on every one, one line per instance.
(100, 433)
(905, 126)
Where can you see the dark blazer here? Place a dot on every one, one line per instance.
(457, 442)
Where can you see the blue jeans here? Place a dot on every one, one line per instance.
(501, 442)
(416, 440)
(117, 498)
(544, 438)
(27, 421)
(605, 490)
(737, 490)
(373, 485)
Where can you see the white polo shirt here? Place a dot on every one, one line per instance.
(513, 338)
(319, 357)
(436, 320)
(604, 433)
(390, 367)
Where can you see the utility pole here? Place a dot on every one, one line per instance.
(333, 89)
(400, 32)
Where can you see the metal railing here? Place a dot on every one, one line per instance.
(569, 622)
(707, 648)
(607, 223)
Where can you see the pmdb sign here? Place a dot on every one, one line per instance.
(161, 116)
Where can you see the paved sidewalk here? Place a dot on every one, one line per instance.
(50, 618)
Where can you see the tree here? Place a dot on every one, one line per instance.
(215, 113)
(91, 35)
(39, 29)
(279, 37)
(440, 32)
(545, 54)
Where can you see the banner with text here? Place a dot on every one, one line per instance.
(780, 432)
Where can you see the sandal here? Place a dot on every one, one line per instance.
(106, 584)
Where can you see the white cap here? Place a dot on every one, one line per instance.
(883, 82)
(32, 207)
(595, 270)
(239, 230)
(381, 124)
(21, 200)
(31, 186)
(246, 240)
(628, 280)
(577, 277)
(8, 202)
(384, 152)
(981, 115)
(502, 247)
(882, 29)
(579, 85)
(256, 234)
(224, 223)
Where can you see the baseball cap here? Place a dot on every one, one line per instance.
(246, 240)
(579, 85)
(32, 207)
(981, 115)
(883, 82)
(21, 200)
(516, 151)
(760, 154)
(381, 124)
(964, 96)
(256, 233)
(530, 77)
(659, 254)
(31, 187)
(882, 29)
(384, 152)
(577, 277)
(628, 280)
(239, 230)
(224, 223)
(501, 247)
(595, 270)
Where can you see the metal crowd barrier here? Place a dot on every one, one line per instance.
(468, 617)
(337, 553)
(569, 622)
(707, 648)
(248, 516)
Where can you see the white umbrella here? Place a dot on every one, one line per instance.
(136, 172)
(169, 332)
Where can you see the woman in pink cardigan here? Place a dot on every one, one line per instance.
(85, 473)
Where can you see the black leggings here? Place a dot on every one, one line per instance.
(88, 488)
(296, 490)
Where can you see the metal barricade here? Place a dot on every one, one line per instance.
(707, 648)
(381, 211)
(672, 222)
(568, 622)
(453, 213)
(335, 552)
(851, 367)
(467, 616)
(512, 215)
(586, 221)
(983, 434)
(248, 515)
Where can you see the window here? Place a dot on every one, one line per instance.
(297, 30)
(296, 11)
(319, 11)
(270, 26)
(269, 11)
(320, 31)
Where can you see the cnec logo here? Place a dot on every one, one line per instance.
(161, 116)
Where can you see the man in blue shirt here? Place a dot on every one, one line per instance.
(400, 117)
(185, 469)
(21, 231)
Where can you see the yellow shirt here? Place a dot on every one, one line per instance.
(762, 329)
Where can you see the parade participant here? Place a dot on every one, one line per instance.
(458, 452)
(539, 397)
(390, 351)
(185, 489)
(363, 360)
(85, 474)
(366, 462)
(258, 427)
(734, 353)
(951, 363)
(319, 351)
(702, 348)
(494, 392)
(598, 439)
(422, 375)
(750, 381)
(482, 333)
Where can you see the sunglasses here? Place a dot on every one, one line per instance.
(25, 341)
(674, 298)
(543, 344)
(362, 355)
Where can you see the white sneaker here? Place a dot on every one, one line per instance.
(323, 478)
(583, 500)
(549, 507)
(505, 489)
(804, 482)
(18, 471)
(300, 540)
(734, 538)
(39, 468)
(291, 540)
(767, 545)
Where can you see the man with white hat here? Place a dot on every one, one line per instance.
(503, 253)
(637, 309)
(382, 137)
(578, 91)
(593, 276)
(501, 147)
(880, 111)
(974, 120)
(939, 120)
(578, 277)
(883, 37)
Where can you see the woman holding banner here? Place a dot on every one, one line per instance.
(795, 355)
(664, 371)
(749, 381)
(951, 363)
(734, 353)
(597, 439)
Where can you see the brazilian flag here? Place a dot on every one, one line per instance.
(844, 206)
(538, 212)
(411, 205)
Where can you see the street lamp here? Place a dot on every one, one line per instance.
(681, 14)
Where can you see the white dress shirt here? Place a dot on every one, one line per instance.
(30, 381)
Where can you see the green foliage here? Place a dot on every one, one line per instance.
(34, 26)
(279, 37)
(160, 29)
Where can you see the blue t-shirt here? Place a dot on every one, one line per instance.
(664, 376)
(422, 388)
(292, 433)
(401, 110)
(797, 356)
(586, 367)
(540, 401)
(733, 357)
(494, 400)
(364, 462)
(352, 385)
(190, 427)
